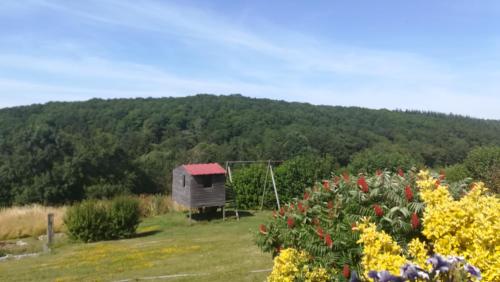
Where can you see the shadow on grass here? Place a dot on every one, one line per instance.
(209, 216)
(146, 233)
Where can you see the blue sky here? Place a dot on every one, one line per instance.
(426, 55)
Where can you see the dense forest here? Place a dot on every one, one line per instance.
(66, 151)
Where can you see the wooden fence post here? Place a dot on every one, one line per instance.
(50, 228)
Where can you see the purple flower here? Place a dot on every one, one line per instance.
(474, 271)
(384, 276)
(439, 264)
(413, 271)
(354, 277)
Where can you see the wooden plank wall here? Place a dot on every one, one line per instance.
(180, 194)
(208, 196)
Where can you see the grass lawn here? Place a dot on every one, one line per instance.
(167, 248)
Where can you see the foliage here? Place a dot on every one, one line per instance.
(93, 220)
(382, 157)
(292, 265)
(291, 176)
(320, 222)
(57, 152)
(468, 227)
(248, 184)
(483, 163)
(124, 216)
(457, 172)
(88, 221)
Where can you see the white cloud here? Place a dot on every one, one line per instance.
(290, 66)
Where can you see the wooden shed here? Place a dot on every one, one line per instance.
(199, 185)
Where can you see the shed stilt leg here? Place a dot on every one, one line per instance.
(237, 215)
(189, 215)
(223, 214)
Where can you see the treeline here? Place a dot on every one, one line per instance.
(60, 152)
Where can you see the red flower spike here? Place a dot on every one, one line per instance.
(400, 172)
(408, 193)
(328, 240)
(292, 207)
(320, 233)
(345, 175)
(301, 207)
(379, 172)
(442, 174)
(306, 196)
(290, 222)
(346, 272)
(354, 227)
(262, 229)
(415, 222)
(437, 183)
(330, 205)
(378, 210)
(362, 183)
(282, 211)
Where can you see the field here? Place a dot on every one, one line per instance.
(167, 248)
(27, 221)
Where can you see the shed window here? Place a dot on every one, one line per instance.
(207, 181)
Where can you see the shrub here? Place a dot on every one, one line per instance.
(382, 157)
(124, 216)
(93, 220)
(88, 221)
(320, 222)
(456, 172)
(483, 163)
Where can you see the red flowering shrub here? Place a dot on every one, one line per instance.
(415, 222)
(378, 210)
(362, 183)
(408, 193)
(346, 272)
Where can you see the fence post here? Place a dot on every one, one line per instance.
(50, 228)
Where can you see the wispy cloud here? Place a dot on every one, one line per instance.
(275, 63)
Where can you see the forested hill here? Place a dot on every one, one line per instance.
(62, 151)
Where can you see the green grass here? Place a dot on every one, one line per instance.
(167, 245)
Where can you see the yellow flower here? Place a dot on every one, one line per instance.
(380, 251)
(418, 251)
(468, 227)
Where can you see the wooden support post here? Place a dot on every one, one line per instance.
(50, 228)
(274, 185)
(223, 214)
(265, 185)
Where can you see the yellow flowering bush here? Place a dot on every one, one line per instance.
(468, 227)
(417, 250)
(380, 251)
(292, 265)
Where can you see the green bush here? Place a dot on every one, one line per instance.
(124, 214)
(484, 164)
(93, 220)
(88, 221)
(292, 177)
(382, 157)
(456, 173)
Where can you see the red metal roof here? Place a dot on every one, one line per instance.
(204, 169)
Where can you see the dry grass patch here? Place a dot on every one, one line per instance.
(28, 221)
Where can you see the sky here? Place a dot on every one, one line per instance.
(441, 56)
